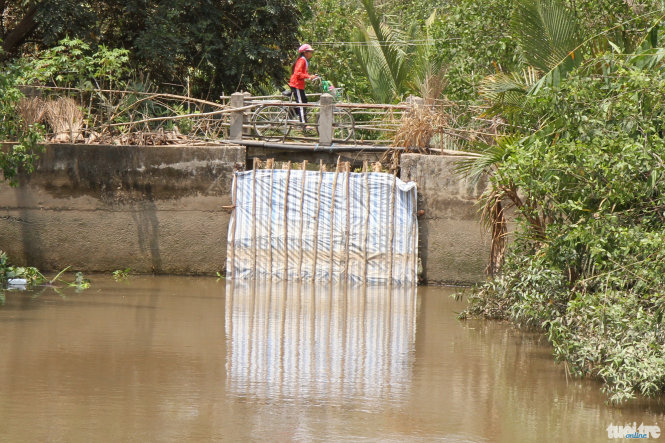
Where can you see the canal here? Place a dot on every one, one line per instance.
(194, 359)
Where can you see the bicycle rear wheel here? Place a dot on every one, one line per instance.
(271, 122)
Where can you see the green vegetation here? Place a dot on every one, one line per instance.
(31, 275)
(30, 278)
(210, 47)
(23, 152)
(582, 164)
(121, 274)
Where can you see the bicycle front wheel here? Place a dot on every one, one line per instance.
(271, 122)
(343, 125)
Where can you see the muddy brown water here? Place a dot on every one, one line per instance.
(190, 359)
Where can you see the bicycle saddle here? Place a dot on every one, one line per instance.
(286, 93)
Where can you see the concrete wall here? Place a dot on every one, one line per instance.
(159, 209)
(454, 247)
(102, 208)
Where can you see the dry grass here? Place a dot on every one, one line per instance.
(65, 118)
(419, 126)
(31, 110)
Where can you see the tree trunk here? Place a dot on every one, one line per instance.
(17, 35)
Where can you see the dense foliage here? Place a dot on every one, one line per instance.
(471, 42)
(21, 153)
(211, 46)
(588, 263)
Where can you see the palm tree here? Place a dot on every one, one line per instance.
(550, 40)
(394, 60)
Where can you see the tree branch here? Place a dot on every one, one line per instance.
(17, 35)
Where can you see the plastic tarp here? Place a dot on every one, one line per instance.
(323, 226)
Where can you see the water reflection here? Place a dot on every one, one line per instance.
(288, 341)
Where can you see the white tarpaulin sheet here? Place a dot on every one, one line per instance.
(323, 226)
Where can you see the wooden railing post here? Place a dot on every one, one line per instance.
(237, 101)
(326, 120)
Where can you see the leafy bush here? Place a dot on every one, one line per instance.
(7, 271)
(24, 147)
(471, 41)
(588, 263)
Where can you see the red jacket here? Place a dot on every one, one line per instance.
(299, 73)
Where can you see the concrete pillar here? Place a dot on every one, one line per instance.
(326, 120)
(416, 102)
(247, 116)
(237, 101)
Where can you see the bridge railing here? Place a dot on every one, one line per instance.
(142, 118)
(372, 123)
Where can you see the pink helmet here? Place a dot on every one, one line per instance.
(304, 48)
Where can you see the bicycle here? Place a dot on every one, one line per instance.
(274, 121)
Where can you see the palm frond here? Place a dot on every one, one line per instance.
(387, 55)
(377, 69)
(507, 92)
(548, 34)
(491, 156)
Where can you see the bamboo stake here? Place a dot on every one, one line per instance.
(392, 225)
(270, 164)
(255, 165)
(365, 166)
(302, 200)
(332, 214)
(406, 255)
(316, 219)
(286, 222)
(366, 228)
(414, 234)
(233, 229)
(347, 166)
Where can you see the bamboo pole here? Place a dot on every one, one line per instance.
(270, 164)
(177, 117)
(302, 200)
(347, 166)
(332, 214)
(316, 219)
(286, 221)
(392, 226)
(414, 234)
(255, 165)
(366, 228)
(233, 226)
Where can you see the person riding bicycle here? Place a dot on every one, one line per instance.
(298, 76)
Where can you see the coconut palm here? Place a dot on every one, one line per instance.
(394, 60)
(550, 40)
